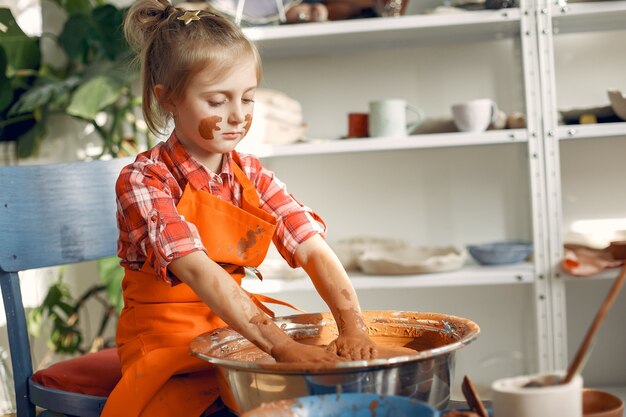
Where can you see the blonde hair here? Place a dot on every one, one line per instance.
(172, 52)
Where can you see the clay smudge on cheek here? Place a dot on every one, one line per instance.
(208, 125)
(248, 119)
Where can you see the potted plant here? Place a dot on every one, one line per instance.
(93, 85)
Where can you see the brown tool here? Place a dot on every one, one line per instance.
(579, 360)
(472, 398)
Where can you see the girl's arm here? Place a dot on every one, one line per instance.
(223, 295)
(334, 286)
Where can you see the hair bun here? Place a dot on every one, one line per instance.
(143, 18)
(166, 12)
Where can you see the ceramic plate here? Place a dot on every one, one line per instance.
(349, 250)
(411, 260)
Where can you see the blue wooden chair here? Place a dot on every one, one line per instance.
(55, 215)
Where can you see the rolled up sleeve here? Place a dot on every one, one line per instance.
(295, 222)
(147, 212)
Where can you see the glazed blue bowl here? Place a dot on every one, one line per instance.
(345, 405)
(501, 253)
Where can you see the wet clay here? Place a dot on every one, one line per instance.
(394, 336)
(248, 119)
(391, 340)
(208, 125)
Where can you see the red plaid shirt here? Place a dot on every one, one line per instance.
(149, 189)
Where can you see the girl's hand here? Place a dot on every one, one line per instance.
(354, 346)
(298, 352)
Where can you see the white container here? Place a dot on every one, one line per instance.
(512, 399)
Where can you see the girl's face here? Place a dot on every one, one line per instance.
(213, 117)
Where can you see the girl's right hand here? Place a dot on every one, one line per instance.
(298, 352)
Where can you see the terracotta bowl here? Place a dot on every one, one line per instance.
(598, 403)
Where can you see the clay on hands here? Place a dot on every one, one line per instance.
(297, 352)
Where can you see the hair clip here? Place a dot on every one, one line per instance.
(189, 16)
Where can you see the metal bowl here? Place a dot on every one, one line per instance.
(250, 377)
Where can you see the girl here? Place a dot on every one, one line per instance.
(193, 213)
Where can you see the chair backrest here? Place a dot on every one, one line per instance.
(50, 215)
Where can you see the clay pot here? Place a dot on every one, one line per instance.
(598, 403)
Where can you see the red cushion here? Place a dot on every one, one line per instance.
(94, 374)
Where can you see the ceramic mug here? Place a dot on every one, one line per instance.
(474, 115)
(357, 125)
(388, 118)
(512, 399)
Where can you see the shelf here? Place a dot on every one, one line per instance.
(602, 130)
(438, 140)
(365, 34)
(593, 16)
(470, 275)
(610, 273)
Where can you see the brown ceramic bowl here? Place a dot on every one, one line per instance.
(598, 403)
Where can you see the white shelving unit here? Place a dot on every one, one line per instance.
(353, 61)
(337, 37)
(581, 170)
(590, 131)
(438, 140)
(470, 275)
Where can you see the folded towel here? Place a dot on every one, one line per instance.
(277, 99)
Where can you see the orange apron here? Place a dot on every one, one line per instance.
(159, 376)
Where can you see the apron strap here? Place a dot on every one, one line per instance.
(249, 197)
(259, 299)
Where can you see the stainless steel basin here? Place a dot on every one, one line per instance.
(249, 377)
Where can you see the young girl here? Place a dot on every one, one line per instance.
(193, 213)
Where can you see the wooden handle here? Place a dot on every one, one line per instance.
(577, 363)
(471, 396)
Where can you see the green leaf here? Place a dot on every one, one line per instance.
(44, 93)
(93, 96)
(22, 52)
(34, 319)
(107, 36)
(55, 293)
(73, 38)
(63, 310)
(64, 339)
(6, 90)
(112, 274)
(29, 142)
(78, 7)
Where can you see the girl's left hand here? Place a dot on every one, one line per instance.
(354, 346)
